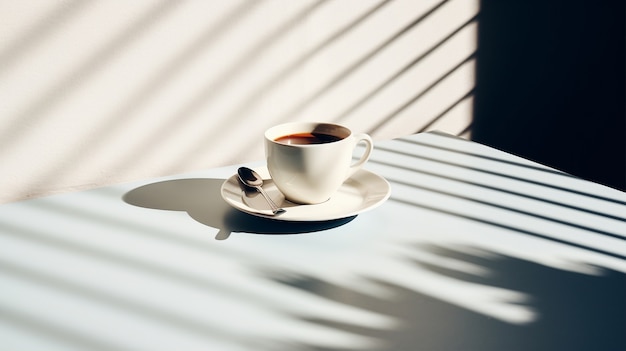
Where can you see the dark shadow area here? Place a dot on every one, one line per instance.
(551, 84)
(575, 311)
(201, 198)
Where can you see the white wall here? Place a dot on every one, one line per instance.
(94, 92)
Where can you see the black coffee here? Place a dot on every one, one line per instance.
(307, 138)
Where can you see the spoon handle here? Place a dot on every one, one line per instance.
(275, 208)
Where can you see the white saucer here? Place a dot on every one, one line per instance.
(361, 192)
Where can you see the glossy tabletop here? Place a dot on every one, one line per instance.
(475, 249)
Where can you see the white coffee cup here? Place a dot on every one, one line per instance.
(311, 173)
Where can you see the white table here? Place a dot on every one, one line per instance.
(476, 249)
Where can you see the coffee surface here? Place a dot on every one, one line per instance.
(307, 138)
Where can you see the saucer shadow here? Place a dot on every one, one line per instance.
(202, 200)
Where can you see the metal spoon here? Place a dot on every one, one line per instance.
(252, 179)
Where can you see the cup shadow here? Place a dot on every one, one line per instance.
(201, 199)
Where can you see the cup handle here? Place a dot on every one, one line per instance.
(369, 146)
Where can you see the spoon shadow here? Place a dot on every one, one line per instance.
(201, 199)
